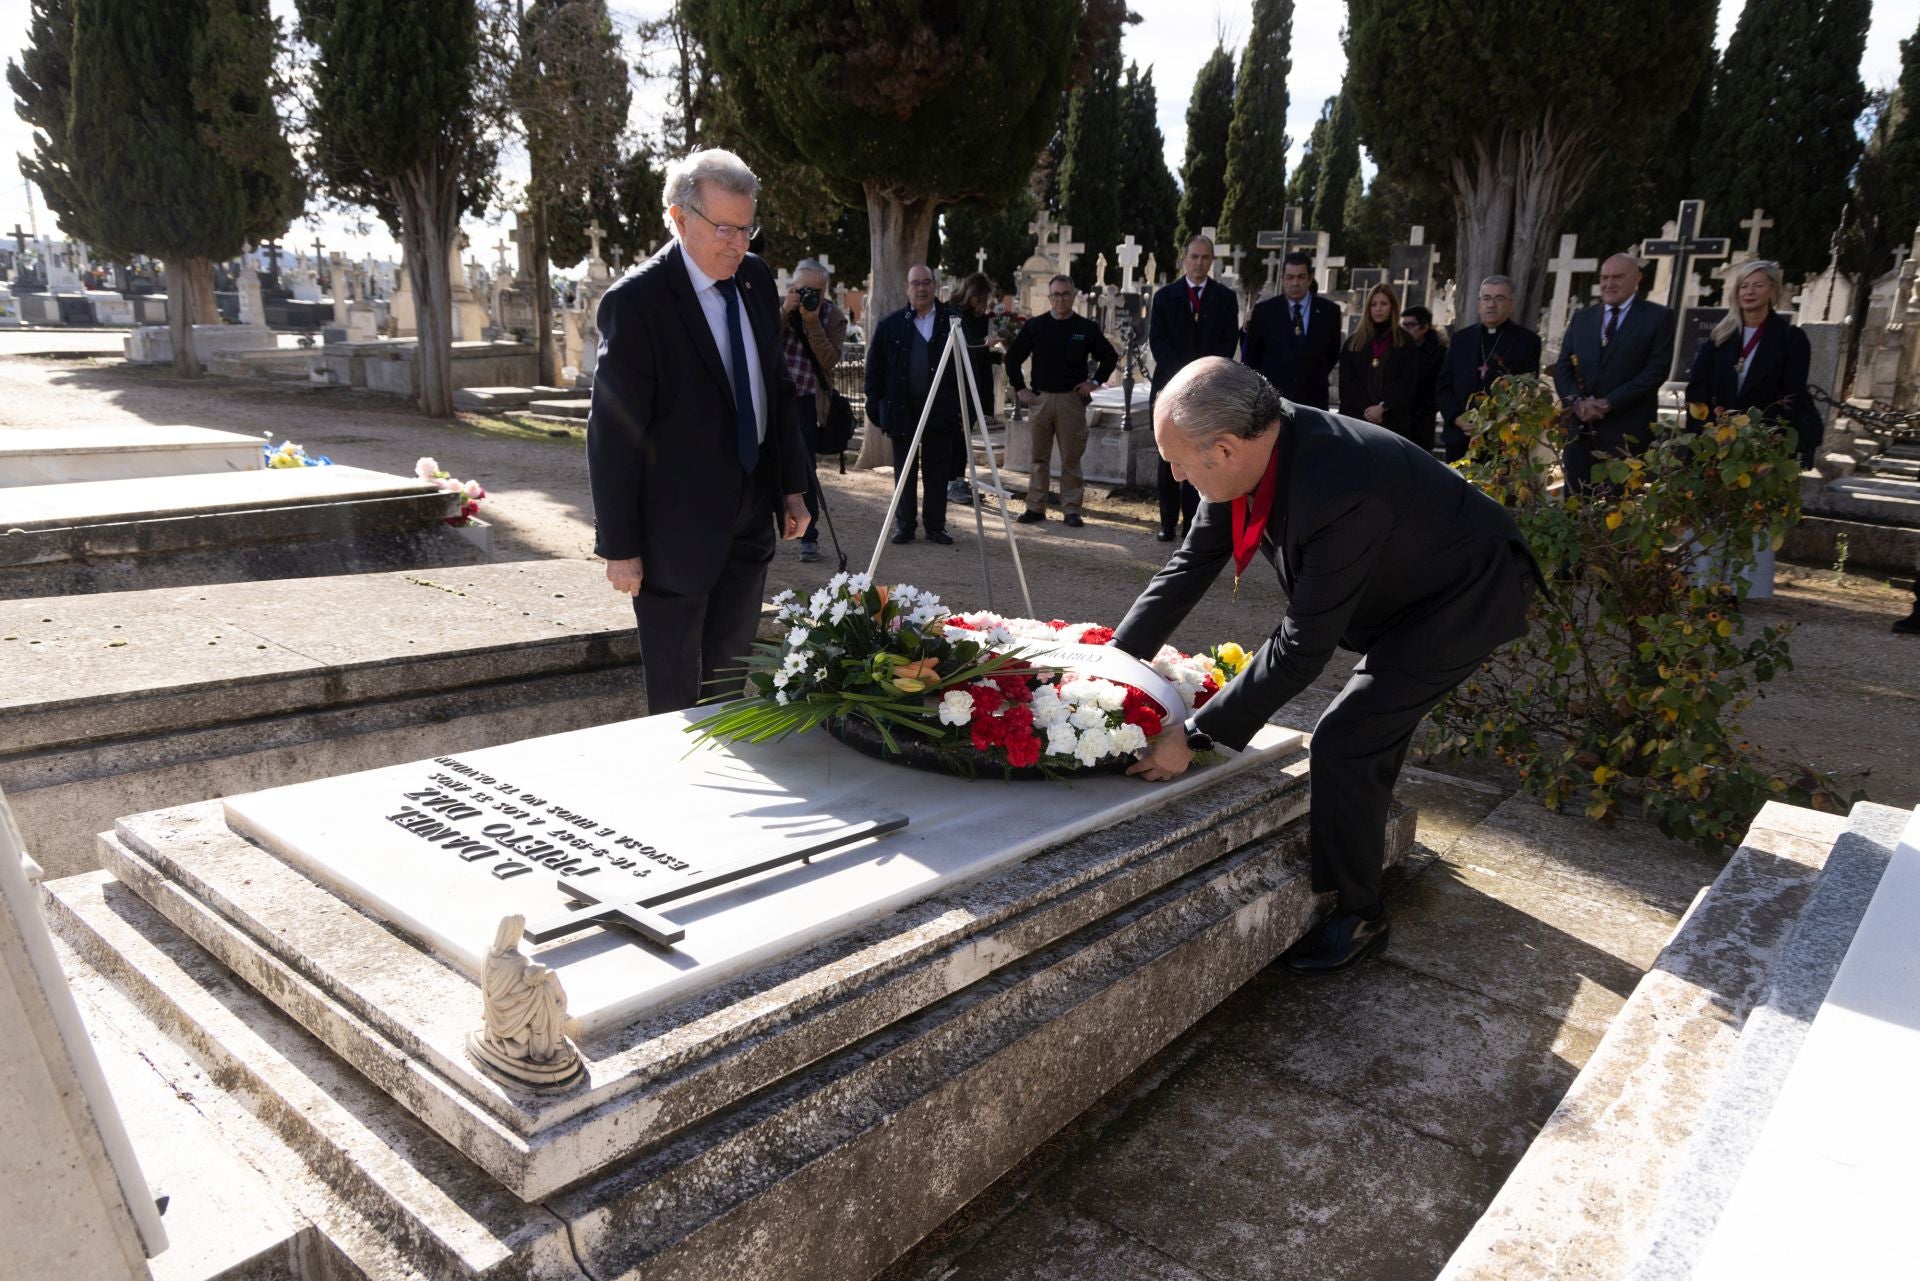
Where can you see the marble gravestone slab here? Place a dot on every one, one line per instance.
(95, 502)
(65, 455)
(444, 848)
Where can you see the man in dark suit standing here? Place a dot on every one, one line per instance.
(1612, 361)
(1478, 354)
(694, 454)
(1294, 338)
(901, 361)
(1383, 550)
(1193, 317)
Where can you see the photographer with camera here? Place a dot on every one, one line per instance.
(813, 333)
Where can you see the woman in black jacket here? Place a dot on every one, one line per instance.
(1380, 366)
(1756, 362)
(973, 299)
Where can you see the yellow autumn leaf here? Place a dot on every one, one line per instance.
(1724, 627)
(1602, 774)
(1614, 520)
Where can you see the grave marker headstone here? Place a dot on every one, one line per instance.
(1562, 267)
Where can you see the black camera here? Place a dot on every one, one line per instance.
(809, 298)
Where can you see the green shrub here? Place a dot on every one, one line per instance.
(1637, 664)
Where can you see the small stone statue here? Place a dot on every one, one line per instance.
(523, 1040)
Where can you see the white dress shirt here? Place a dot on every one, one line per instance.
(925, 324)
(714, 305)
(1620, 320)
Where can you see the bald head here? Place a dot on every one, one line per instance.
(1619, 279)
(1214, 424)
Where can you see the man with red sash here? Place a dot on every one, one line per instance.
(1383, 550)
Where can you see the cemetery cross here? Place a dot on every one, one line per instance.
(1127, 254)
(1685, 245)
(1754, 226)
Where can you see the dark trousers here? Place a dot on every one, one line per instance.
(691, 646)
(1454, 441)
(935, 465)
(1178, 500)
(1357, 750)
(810, 439)
(1582, 453)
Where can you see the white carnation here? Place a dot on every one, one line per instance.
(1061, 740)
(1089, 716)
(1094, 744)
(780, 697)
(1110, 696)
(1080, 690)
(1129, 739)
(956, 707)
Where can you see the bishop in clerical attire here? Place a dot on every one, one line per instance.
(1479, 354)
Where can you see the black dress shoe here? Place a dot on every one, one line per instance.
(1338, 943)
(942, 537)
(901, 536)
(1073, 520)
(1910, 625)
(1164, 535)
(1029, 518)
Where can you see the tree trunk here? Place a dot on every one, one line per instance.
(206, 311)
(1510, 198)
(183, 274)
(429, 201)
(898, 231)
(549, 356)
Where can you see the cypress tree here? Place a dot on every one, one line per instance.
(1334, 203)
(42, 85)
(1148, 197)
(1762, 119)
(175, 148)
(1515, 127)
(1304, 184)
(1203, 171)
(1090, 168)
(399, 125)
(1635, 192)
(1000, 230)
(1256, 177)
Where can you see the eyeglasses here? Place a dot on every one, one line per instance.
(725, 230)
(1057, 293)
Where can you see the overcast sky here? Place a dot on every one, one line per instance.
(1174, 37)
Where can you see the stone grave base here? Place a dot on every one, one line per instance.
(1113, 456)
(153, 344)
(281, 364)
(390, 365)
(913, 1060)
(64, 455)
(119, 535)
(225, 689)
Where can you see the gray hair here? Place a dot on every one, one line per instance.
(811, 264)
(1215, 397)
(721, 168)
(1729, 324)
(1194, 240)
(1499, 280)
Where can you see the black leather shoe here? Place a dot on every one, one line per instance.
(1338, 943)
(1910, 625)
(1164, 535)
(942, 537)
(901, 536)
(1029, 518)
(1073, 520)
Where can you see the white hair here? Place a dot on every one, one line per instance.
(810, 264)
(721, 168)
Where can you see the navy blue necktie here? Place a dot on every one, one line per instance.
(745, 426)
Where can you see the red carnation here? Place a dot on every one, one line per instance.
(1056, 623)
(1096, 636)
(1208, 688)
(1023, 750)
(988, 732)
(962, 624)
(1018, 719)
(1015, 685)
(986, 699)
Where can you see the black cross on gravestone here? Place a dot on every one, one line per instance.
(1290, 237)
(1687, 244)
(631, 907)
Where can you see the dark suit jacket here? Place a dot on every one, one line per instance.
(891, 405)
(1513, 351)
(1299, 368)
(1775, 387)
(1628, 371)
(662, 458)
(1399, 378)
(1382, 549)
(1177, 342)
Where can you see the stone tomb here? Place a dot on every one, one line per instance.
(881, 1032)
(63, 455)
(1114, 455)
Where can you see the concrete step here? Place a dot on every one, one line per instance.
(1893, 468)
(507, 397)
(67, 455)
(1587, 1190)
(1889, 549)
(1882, 499)
(1703, 1187)
(554, 407)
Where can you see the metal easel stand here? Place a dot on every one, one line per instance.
(955, 348)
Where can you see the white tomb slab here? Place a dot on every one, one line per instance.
(156, 497)
(443, 849)
(63, 455)
(1828, 1188)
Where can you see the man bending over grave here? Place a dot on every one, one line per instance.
(1383, 550)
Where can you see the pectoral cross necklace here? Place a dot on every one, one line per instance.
(1487, 354)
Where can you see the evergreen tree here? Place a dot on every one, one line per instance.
(1304, 184)
(904, 107)
(1334, 203)
(1515, 127)
(1897, 158)
(1385, 215)
(175, 148)
(42, 97)
(570, 90)
(1001, 231)
(626, 204)
(400, 125)
(1090, 167)
(1762, 120)
(1203, 172)
(1149, 200)
(1634, 193)
(1256, 176)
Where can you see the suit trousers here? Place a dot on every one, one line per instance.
(1058, 418)
(691, 646)
(935, 465)
(1581, 455)
(1356, 753)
